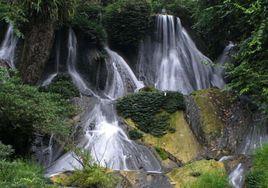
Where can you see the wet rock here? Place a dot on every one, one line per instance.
(137, 179)
(185, 176)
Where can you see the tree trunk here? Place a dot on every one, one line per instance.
(36, 50)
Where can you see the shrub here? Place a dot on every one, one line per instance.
(91, 175)
(151, 110)
(135, 134)
(25, 111)
(62, 85)
(127, 22)
(21, 174)
(258, 176)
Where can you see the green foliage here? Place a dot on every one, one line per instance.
(258, 176)
(21, 174)
(88, 19)
(49, 11)
(62, 85)
(12, 14)
(162, 153)
(244, 22)
(151, 110)
(214, 179)
(92, 175)
(135, 134)
(25, 111)
(127, 22)
(5, 151)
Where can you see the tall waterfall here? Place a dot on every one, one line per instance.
(103, 134)
(171, 61)
(8, 46)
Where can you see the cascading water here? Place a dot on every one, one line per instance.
(171, 61)
(8, 46)
(218, 68)
(103, 134)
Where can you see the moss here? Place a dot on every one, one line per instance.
(188, 175)
(182, 144)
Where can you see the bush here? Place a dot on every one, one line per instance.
(135, 134)
(127, 22)
(91, 175)
(25, 111)
(21, 174)
(151, 110)
(62, 85)
(258, 176)
(214, 179)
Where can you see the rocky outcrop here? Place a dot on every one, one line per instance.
(218, 122)
(36, 50)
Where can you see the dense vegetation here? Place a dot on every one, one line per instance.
(25, 111)
(151, 110)
(258, 176)
(127, 22)
(244, 22)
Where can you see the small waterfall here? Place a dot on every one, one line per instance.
(218, 68)
(8, 46)
(121, 71)
(71, 65)
(236, 178)
(51, 77)
(171, 61)
(103, 135)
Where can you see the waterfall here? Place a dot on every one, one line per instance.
(236, 177)
(8, 46)
(103, 135)
(71, 65)
(218, 69)
(51, 77)
(171, 61)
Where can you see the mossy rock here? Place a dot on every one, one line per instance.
(189, 174)
(181, 144)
